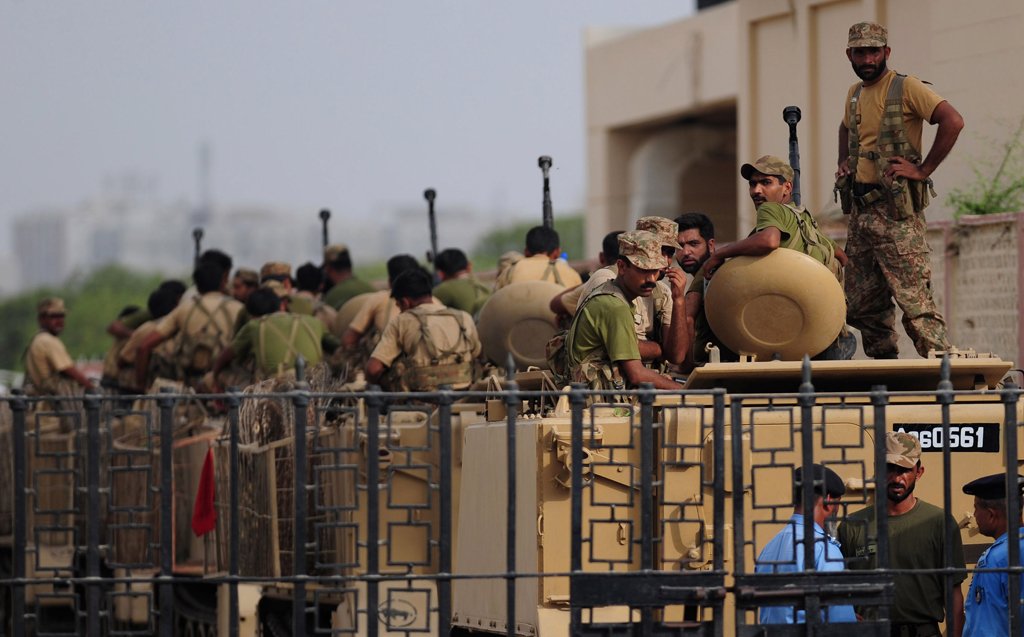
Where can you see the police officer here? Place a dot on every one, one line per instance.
(987, 601)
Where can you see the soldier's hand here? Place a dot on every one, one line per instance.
(677, 281)
(712, 264)
(843, 169)
(902, 167)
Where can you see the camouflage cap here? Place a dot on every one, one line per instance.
(867, 34)
(51, 305)
(768, 165)
(276, 287)
(902, 449)
(275, 270)
(666, 229)
(333, 251)
(642, 249)
(248, 276)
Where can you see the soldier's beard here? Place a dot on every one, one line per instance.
(898, 497)
(692, 268)
(869, 72)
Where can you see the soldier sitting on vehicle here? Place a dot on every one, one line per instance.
(459, 288)
(426, 346)
(601, 347)
(161, 364)
(48, 366)
(541, 262)
(306, 297)
(342, 284)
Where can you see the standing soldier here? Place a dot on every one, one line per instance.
(427, 345)
(885, 187)
(47, 363)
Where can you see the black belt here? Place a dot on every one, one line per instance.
(860, 189)
(914, 630)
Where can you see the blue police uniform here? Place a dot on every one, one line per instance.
(987, 598)
(785, 554)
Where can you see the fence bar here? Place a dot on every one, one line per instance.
(945, 398)
(92, 520)
(300, 400)
(511, 411)
(18, 407)
(165, 405)
(373, 406)
(444, 582)
(879, 399)
(233, 500)
(738, 488)
(718, 488)
(646, 495)
(1009, 396)
(576, 403)
(812, 603)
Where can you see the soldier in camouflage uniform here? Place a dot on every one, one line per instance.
(427, 345)
(885, 187)
(601, 344)
(48, 366)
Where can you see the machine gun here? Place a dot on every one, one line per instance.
(325, 216)
(430, 194)
(791, 115)
(197, 237)
(545, 165)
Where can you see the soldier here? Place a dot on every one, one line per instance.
(244, 283)
(917, 539)
(427, 345)
(379, 308)
(541, 262)
(306, 297)
(696, 241)
(343, 285)
(988, 596)
(564, 304)
(161, 302)
(780, 224)
(47, 363)
(885, 186)
(785, 552)
(459, 288)
(277, 275)
(601, 345)
(205, 325)
(273, 338)
(653, 314)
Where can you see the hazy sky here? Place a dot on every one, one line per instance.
(346, 104)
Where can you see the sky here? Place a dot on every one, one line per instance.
(344, 104)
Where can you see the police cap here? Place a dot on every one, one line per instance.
(991, 487)
(828, 481)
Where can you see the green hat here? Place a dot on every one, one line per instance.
(902, 449)
(867, 34)
(666, 229)
(768, 165)
(642, 249)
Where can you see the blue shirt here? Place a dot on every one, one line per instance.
(785, 554)
(986, 603)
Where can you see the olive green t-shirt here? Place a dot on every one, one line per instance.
(466, 294)
(702, 334)
(604, 323)
(135, 319)
(345, 290)
(915, 542)
(777, 215)
(284, 335)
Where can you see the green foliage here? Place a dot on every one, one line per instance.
(93, 301)
(501, 240)
(1003, 191)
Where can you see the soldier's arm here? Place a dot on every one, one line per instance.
(677, 337)
(350, 338)
(374, 370)
(76, 375)
(843, 164)
(649, 350)
(635, 373)
(142, 357)
(950, 123)
(958, 611)
(557, 306)
(118, 329)
(757, 244)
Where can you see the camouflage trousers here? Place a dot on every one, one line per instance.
(889, 260)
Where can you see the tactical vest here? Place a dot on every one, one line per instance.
(266, 329)
(906, 196)
(196, 352)
(595, 370)
(813, 237)
(452, 366)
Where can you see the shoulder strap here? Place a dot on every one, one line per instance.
(435, 352)
(552, 270)
(601, 290)
(291, 352)
(853, 139)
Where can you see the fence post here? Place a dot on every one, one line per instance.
(233, 497)
(1010, 395)
(646, 494)
(92, 520)
(300, 400)
(373, 406)
(944, 397)
(879, 399)
(577, 400)
(444, 581)
(18, 407)
(165, 403)
(512, 400)
(718, 488)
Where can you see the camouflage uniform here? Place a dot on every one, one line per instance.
(887, 248)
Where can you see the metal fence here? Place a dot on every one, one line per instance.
(508, 511)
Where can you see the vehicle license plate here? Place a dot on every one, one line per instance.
(975, 436)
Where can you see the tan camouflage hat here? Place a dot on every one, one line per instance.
(642, 249)
(51, 305)
(248, 276)
(867, 34)
(275, 270)
(902, 449)
(768, 165)
(667, 229)
(333, 251)
(276, 287)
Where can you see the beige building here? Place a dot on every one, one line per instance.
(673, 111)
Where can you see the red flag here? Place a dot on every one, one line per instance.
(204, 513)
